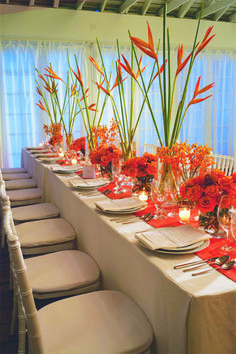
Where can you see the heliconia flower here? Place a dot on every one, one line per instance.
(205, 41)
(82, 98)
(198, 92)
(78, 76)
(42, 78)
(146, 47)
(181, 64)
(41, 106)
(38, 91)
(52, 74)
(99, 86)
(127, 67)
(161, 71)
(96, 66)
(91, 107)
(73, 90)
(139, 64)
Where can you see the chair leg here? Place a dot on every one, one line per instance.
(3, 237)
(21, 329)
(14, 314)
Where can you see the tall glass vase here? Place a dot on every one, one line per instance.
(169, 181)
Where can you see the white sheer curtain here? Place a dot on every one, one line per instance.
(21, 120)
(211, 122)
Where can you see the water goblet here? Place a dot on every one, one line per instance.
(225, 212)
(116, 176)
(158, 196)
(233, 232)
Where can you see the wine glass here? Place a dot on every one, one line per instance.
(116, 176)
(225, 212)
(158, 196)
(233, 232)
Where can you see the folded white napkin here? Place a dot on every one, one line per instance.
(93, 182)
(171, 238)
(125, 204)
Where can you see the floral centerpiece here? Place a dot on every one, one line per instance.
(78, 145)
(105, 155)
(143, 169)
(54, 132)
(205, 191)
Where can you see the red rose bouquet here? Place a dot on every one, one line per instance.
(104, 155)
(78, 145)
(205, 192)
(143, 169)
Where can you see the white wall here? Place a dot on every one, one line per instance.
(56, 24)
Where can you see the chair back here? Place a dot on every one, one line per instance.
(150, 148)
(225, 163)
(23, 288)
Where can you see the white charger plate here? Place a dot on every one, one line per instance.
(120, 212)
(82, 184)
(187, 251)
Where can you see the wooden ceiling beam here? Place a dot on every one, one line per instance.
(103, 4)
(232, 18)
(145, 7)
(212, 9)
(171, 5)
(80, 3)
(220, 13)
(56, 3)
(124, 8)
(184, 8)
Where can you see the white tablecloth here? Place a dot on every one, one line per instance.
(188, 314)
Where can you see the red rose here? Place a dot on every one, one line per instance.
(206, 204)
(194, 193)
(211, 191)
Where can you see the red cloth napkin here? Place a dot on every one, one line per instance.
(125, 194)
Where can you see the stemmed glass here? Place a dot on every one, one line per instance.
(233, 231)
(225, 212)
(159, 197)
(116, 176)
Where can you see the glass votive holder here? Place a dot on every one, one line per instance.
(184, 214)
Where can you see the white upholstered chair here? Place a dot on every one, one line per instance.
(13, 176)
(20, 184)
(56, 275)
(99, 322)
(13, 170)
(26, 196)
(225, 163)
(150, 148)
(35, 212)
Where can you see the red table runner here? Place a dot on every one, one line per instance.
(211, 251)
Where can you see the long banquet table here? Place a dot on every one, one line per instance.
(188, 314)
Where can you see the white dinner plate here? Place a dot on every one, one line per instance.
(39, 151)
(121, 212)
(66, 170)
(186, 251)
(34, 148)
(89, 183)
(49, 160)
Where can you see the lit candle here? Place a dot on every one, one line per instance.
(61, 154)
(143, 196)
(40, 144)
(74, 161)
(184, 215)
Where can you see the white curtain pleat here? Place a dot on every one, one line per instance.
(211, 122)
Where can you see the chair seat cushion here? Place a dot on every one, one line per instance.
(45, 232)
(11, 176)
(20, 184)
(100, 322)
(35, 212)
(14, 170)
(24, 194)
(61, 271)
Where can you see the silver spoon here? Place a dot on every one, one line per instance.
(219, 261)
(225, 266)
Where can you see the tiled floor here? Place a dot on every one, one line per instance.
(8, 343)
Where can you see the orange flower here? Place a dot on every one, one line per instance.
(52, 74)
(41, 106)
(206, 204)
(198, 92)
